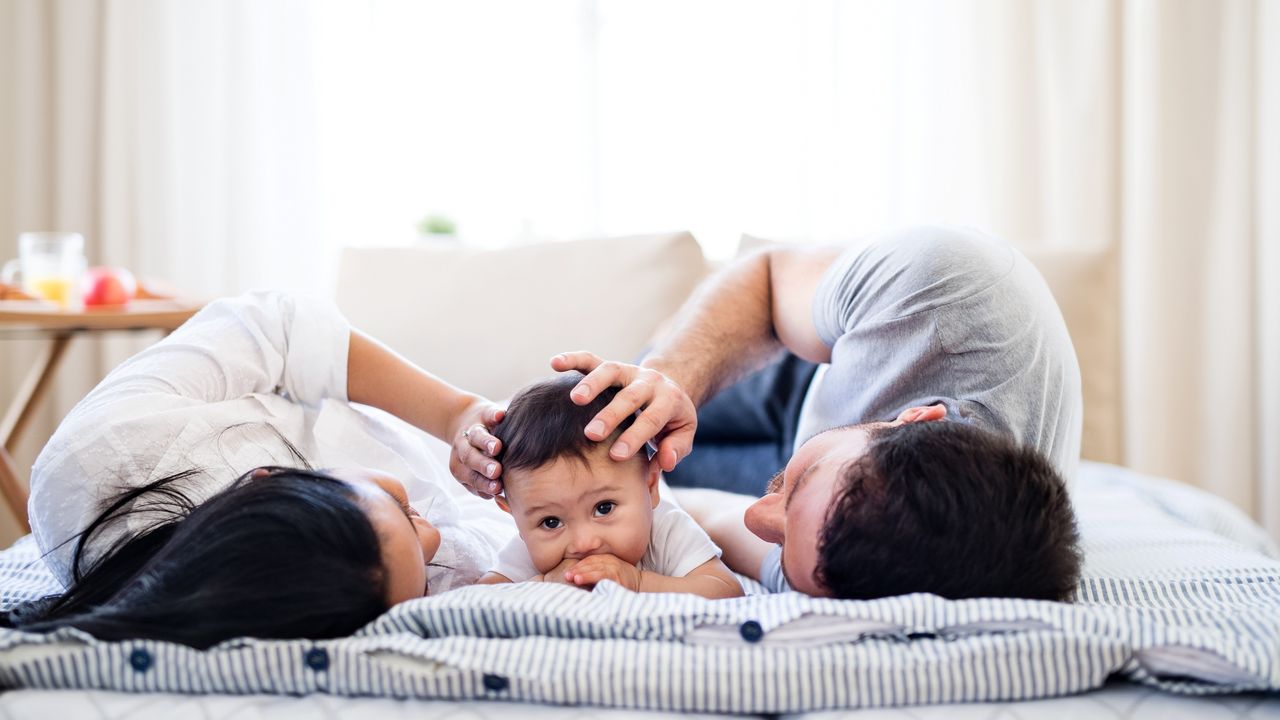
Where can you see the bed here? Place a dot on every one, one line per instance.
(1178, 612)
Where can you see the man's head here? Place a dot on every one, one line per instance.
(907, 506)
(568, 498)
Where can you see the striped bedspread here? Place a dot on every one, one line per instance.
(1181, 593)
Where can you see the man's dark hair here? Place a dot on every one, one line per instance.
(542, 424)
(949, 509)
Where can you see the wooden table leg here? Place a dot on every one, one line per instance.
(15, 495)
(15, 421)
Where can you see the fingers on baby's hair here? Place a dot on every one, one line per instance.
(671, 452)
(576, 360)
(481, 440)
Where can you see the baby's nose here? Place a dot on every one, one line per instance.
(585, 543)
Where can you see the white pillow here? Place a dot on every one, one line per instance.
(489, 321)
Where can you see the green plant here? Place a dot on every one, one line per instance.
(437, 225)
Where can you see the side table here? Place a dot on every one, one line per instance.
(28, 318)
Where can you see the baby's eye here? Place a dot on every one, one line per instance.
(605, 507)
(551, 523)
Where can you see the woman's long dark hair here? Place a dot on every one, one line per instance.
(287, 555)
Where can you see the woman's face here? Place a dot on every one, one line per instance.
(408, 540)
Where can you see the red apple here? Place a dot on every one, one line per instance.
(108, 286)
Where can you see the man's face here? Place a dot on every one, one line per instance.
(794, 509)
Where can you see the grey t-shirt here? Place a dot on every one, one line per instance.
(945, 315)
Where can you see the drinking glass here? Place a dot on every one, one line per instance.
(50, 265)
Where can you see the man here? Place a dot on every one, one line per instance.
(933, 445)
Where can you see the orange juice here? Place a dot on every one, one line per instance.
(56, 289)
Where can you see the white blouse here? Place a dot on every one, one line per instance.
(213, 396)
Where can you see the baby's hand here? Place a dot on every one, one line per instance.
(558, 573)
(593, 569)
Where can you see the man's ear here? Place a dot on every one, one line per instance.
(502, 503)
(652, 472)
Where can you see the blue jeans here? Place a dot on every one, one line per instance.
(746, 432)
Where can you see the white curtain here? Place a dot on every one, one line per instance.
(178, 137)
(1142, 127)
(1199, 241)
(237, 144)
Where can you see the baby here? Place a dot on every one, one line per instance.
(584, 517)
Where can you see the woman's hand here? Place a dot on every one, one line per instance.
(471, 459)
(667, 412)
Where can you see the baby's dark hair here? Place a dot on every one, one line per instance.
(542, 424)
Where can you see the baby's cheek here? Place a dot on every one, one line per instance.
(546, 554)
(631, 544)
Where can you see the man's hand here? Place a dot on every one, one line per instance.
(667, 412)
(471, 459)
(592, 569)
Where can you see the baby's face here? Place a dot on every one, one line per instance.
(568, 509)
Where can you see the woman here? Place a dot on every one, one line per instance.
(179, 499)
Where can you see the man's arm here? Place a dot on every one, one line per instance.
(740, 318)
(720, 515)
(731, 326)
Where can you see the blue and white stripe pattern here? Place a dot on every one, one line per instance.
(1168, 601)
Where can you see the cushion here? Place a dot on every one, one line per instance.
(489, 321)
(1087, 290)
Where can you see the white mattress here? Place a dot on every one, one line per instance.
(1114, 701)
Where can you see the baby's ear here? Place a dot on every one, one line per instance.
(502, 503)
(652, 473)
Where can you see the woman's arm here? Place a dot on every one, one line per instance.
(379, 377)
